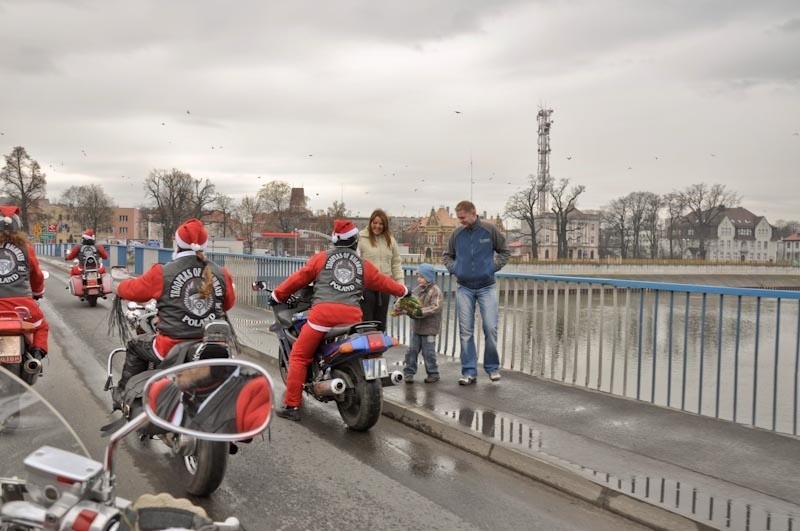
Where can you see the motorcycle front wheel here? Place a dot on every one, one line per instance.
(283, 361)
(201, 473)
(360, 406)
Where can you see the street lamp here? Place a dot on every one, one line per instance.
(304, 233)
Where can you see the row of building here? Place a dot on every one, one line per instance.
(736, 235)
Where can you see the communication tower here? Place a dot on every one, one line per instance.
(543, 173)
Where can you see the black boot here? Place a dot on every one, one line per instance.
(288, 412)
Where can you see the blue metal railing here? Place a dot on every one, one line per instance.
(668, 344)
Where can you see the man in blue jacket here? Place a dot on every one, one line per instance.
(475, 252)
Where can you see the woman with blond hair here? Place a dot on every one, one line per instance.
(377, 245)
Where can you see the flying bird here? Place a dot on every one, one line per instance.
(656, 158)
(630, 168)
(457, 112)
(187, 112)
(569, 158)
(795, 134)
(713, 155)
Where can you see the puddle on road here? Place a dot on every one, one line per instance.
(694, 502)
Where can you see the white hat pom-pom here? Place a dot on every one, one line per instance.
(196, 247)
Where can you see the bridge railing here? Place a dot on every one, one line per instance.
(729, 353)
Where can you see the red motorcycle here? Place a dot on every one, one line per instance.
(16, 336)
(92, 283)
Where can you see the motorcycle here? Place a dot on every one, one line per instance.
(16, 339)
(201, 464)
(58, 486)
(348, 366)
(90, 284)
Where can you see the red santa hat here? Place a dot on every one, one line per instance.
(9, 218)
(88, 234)
(192, 235)
(343, 229)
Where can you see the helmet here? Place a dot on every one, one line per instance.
(10, 221)
(345, 234)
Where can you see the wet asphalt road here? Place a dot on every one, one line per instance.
(311, 475)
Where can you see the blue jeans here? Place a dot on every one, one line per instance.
(427, 344)
(486, 299)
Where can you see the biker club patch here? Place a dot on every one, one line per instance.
(186, 287)
(346, 269)
(12, 263)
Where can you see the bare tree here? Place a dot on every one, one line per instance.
(616, 215)
(650, 221)
(89, 206)
(23, 182)
(705, 205)
(338, 210)
(204, 195)
(275, 197)
(225, 204)
(523, 206)
(174, 194)
(245, 216)
(675, 209)
(564, 203)
(637, 202)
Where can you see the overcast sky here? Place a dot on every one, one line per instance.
(357, 99)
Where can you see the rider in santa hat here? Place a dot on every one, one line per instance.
(21, 278)
(339, 276)
(80, 250)
(190, 291)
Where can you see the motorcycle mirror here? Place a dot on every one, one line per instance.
(120, 272)
(213, 399)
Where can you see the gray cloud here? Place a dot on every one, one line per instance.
(370, 89)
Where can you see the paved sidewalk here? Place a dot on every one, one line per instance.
(649, 463)
(662, 467)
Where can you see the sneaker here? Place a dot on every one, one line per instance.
(432, 379)
(288, 412)
(466, 380)
(409, 379)
(494, 376)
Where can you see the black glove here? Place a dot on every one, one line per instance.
(38, 353)
(271, 301)
(37, 297)
(259, 285)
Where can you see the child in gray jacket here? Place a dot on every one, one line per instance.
(425, 326)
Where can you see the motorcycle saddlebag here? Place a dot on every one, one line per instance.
(76, 285)
(106, 284)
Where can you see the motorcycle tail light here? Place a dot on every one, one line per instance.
(376, 342)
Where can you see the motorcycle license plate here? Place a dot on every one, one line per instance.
(374, 368)
(10, 349)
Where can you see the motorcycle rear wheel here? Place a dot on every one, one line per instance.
(202, 472)
(360, 407)
(92, 300)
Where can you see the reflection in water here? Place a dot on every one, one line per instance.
(717, 356)
(699, 505)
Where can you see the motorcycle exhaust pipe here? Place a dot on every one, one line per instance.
(31, 369)
(394, 378)
(329, 387)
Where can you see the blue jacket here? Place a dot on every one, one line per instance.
(475, 253)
